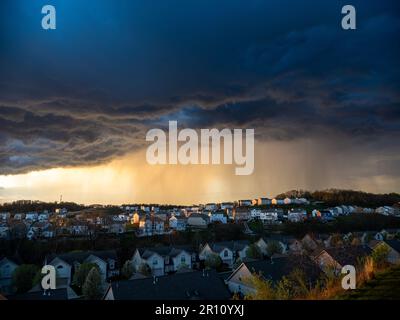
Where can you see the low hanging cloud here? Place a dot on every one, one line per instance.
(314, 82)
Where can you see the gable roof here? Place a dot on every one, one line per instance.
(394, 244)
(165, 251)
(4, 260)
(276, 268)
(179, 286)
(231, 245)
(348, 255)
(81, 256)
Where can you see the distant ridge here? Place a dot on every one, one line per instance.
(349, 197)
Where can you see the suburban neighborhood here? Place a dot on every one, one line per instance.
(212, 251)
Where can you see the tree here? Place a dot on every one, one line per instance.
(273, 247)
(127, 270)
(284, 289)
(92, 288)
(213, 261)
(336, 240)
(24, 276)
(256, 226)
(263, 288)
(82, 272)
(144, 269)
(380, 254)
(254, 252)
(293, 286)
(298, 283)
(356, 242)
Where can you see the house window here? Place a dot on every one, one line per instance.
(112, 264)
(155, 262)
(59, 267)
(226, 253)
(183, 259)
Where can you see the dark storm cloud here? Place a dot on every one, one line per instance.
(89, 91)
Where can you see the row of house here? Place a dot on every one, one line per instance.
(185, 282)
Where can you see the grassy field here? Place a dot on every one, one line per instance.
(385, 286)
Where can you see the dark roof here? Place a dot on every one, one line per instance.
(179, 286)
(13, 259)
(57, 294)
(80, 256)
(232, 245)
(394, 244)
(171, 251)
(276, 268)
(280, 238)
(348, 255)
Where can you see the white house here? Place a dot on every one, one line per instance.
(4, 216)
(226, 205)
(223, 251)
(297, 215)
(7, 268)
(66, 264)
(262, 244)
(178, 224)
(240, 281)
(263, 202)
(198, 220)
(267, 216)
(4, 232)
(32, 216)
(211, 206)
(19, 216)
(277, 201)
(151, 225)
(151, 259)
(245, 203)
(218, 216)
(287, 201)
(393, 247)
(43, 217)
(386, 211)
(228, 251)
(63, 270)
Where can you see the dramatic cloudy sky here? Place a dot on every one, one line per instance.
(76, 103)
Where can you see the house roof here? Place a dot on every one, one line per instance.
(276, 268)
(164, 251)
(231, 245)
(199, 215)
(394, 244)
(179, 286)
(81, 256)
(6, 259)
(280, 238)
(57, 294)
(348, 255)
